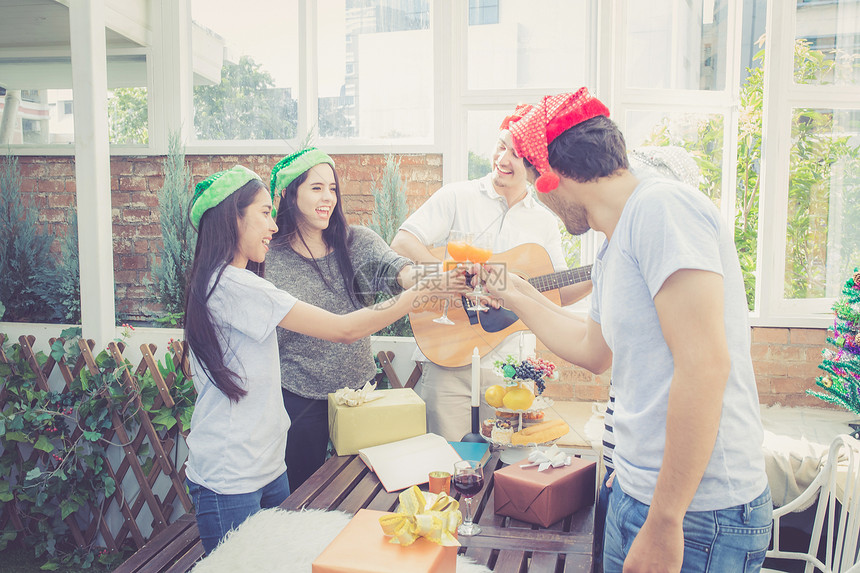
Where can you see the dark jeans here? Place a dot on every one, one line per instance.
(219, 513)
(307, 438)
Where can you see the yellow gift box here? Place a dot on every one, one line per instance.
(362, 548)
(398, 415)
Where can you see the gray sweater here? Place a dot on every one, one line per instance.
(311, 367)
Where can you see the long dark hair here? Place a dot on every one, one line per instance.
(217, 241)
(337, 235)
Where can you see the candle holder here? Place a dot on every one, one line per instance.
(475, 434)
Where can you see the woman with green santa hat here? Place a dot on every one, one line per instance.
(317, 256)
(238, 431)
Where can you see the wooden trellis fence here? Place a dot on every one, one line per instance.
(86, 523)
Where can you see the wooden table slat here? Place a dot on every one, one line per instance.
(361, 495)
(543, 562)
(188, 559)
(481, 555)
(156, 546)
(578, 563)
(510, 562)
(383, 500)
(337, 489)
(316, 483)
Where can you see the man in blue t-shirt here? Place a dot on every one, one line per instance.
(669, 315)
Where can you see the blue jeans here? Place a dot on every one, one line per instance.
(733, 539)
(219, 513)
(600, 516)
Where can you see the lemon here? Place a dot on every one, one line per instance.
(494, 395)
(518, 398)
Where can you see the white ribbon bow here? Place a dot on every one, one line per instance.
(545, 459)
(348, 397)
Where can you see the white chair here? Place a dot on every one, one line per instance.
(839, 479)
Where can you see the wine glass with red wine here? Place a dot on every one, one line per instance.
(468, 479)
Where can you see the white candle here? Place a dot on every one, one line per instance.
(476, 378)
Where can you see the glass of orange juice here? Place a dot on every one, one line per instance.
(458, 251)
(480, 249)
(459, 246)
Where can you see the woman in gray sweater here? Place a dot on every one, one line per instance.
(317, 257)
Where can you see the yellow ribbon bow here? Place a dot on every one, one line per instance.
(436, 522)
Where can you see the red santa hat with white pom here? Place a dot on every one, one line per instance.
(539, 127)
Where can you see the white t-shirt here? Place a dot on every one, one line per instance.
(475, 207)
(238, 447)
(664, 228)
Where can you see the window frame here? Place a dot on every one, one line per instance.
(169, 89)
(783, 95)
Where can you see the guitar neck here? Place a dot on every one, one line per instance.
(561, 279)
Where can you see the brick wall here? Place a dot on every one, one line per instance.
(49, 183)
(785, 359)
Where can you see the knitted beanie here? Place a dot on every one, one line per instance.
(291, 166)
(215, 188)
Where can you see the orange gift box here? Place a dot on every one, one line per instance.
(362, 548)
(542, 498)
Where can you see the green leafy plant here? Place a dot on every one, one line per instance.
(26, 263)
(170, 269)
(69, 434)
(128, 112)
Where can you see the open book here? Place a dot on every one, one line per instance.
(408, 462)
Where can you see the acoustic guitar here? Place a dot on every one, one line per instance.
(452, 345)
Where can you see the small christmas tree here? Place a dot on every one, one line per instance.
(842, 381)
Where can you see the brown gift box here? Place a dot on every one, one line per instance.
(542, 498)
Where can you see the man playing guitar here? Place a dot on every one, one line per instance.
(498, 205)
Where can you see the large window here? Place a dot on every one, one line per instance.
(246, 71)
(722, 79)
(676, 45)
(376, 70)
(524, 46)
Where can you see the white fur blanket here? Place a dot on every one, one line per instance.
(277, 540)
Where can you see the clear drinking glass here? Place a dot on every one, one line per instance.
(468, 480)
(449, 263)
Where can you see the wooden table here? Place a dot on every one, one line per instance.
(505, 545)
